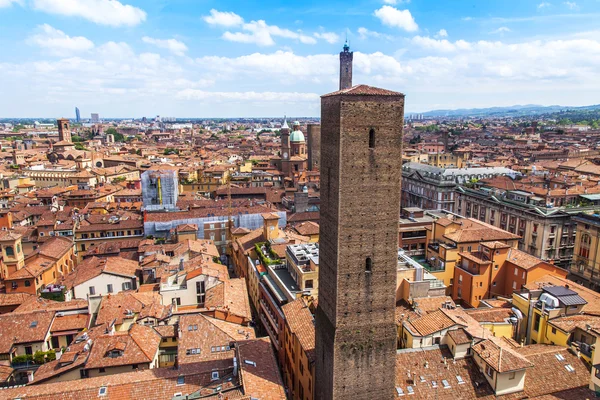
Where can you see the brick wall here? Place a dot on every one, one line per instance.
(360, 206)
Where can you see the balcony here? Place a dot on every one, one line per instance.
(583, 348)
(434, 246)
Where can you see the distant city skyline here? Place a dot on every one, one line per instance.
(131, 58)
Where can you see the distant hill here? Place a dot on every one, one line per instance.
(512, 111)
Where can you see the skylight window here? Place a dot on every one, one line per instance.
(399, 391)
(460, 379)
(250, 363)
(422, 378)
(33, 324)
(102, 391)
(559, 357)
(445, 384)
(180, 380)
(410, 390)
(434, 384)
(569, 368)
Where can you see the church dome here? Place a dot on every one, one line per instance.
(297, 136)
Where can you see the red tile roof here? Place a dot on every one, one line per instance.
(364, 90)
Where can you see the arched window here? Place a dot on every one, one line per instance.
(368, 265)
(10, 251)
(372, 139)
(27, 283)
(18, 248)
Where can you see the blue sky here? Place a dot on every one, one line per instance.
(204, 58)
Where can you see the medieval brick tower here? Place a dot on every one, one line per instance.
(286, 166)
(64, 132)
(360, 202)
(346, 67)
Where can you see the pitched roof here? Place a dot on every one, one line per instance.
(200, 340)
(499, 358)
(94, 266)
(431, 323)
(231, 296)
(364, 90)
(259, 371)
(522, 259)
(556, 378)
(460, 336)
(70, 322)
(27, 327)
(137, 346)
(302, 324)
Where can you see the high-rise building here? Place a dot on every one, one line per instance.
(346, 57)
(64, 132)
(95, 118)
(77, 115)
(360, 206)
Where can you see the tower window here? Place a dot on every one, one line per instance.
(368, 265)
(372, 139)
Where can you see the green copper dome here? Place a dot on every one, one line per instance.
(297, 136)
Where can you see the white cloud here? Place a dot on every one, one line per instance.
(502, 29)
(102, 12)
(260, 39)
(261, 34)
(393, 17)
(571, 5)
(329, 37)
(442, 45)
(223, 18)
(117, 81)
(57, 42)
(8, 3)
(442, 33)
(543, 5)
(364, 33)
(174, 46)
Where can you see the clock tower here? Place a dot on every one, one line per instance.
(286, 166)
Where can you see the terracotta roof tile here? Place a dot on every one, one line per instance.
(364, 90)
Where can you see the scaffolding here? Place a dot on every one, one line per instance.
(248, 221)
(160, 189)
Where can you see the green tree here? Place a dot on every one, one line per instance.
(118, 136)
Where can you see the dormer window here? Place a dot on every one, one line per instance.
(114, 353)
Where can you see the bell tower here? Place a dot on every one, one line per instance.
(346, 57)
(285, 149)
(64, 131)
